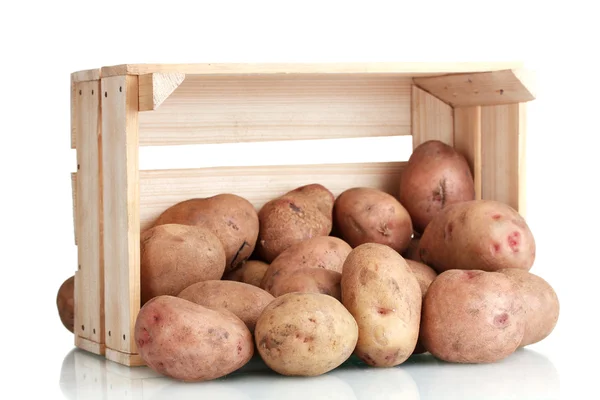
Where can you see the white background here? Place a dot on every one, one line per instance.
(43, 42)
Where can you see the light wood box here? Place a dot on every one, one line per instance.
(479, 108)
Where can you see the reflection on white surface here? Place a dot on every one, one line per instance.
(524, 375)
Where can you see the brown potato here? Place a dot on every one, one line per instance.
(307, 280)
(472, 317)
(231, 218)
(301, 214)
(320, 252)
(186, 341)
(385, 299)
(245, 301)
(541, 304)
(250, 272)
(65, 302)
(478, 234)
(305, 334)
(425, 275)
(366, 215)
(435, 176)
(412, 251)
(176, 256)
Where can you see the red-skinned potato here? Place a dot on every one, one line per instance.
(65, 302)
(425, 275)
(251, 272)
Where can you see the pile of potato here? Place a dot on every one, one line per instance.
(311, 279)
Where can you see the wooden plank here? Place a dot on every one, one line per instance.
(90, 346)
(129, 359)
(73, 115)
(74, 199)
(467, 140)
(161, 189)
(483, 88)
(224, 109)
(502, 154)
(522, 198)
(86, 75)
(156, 88)
(397, 68)
(121, 210)
(89, 285)
(432, 119)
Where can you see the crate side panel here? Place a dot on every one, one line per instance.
(162, 189)
(229, 109)
(432, 119)
(89, 285)
(121, 210)
(467, 140)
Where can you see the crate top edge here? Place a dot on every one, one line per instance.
(393, 68)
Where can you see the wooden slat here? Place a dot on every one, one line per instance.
(161, 189)
(89, 285)
(484, 88)
(467, 140)
(121, 210)
(74, 199)
(156, 88)
(88, 345)
(502, 152)
(86, 75)
(225, 109)
(129, 359)
(400, 68)
(432, 119)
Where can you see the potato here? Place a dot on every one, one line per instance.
(366, 215)
(231, 218)
(301, 214)
(175, 256)
(245, 301)
(320, 252)
(250, 272)
(385, 299)
(307, 280)
(435, 176)
(479, 234)
(65, 302)
(412, 251)
(472, 317)
(305, 334)
(186, 341)
(541, 304)
(425, 275)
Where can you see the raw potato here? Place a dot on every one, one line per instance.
(472, 317)
(412, 252)
(65, 302)
(245, 301)
(186, 341)
(305, 334)
(425, 275)
(366, 215)
(384, 297)
(479, 234)
(231, 218)
(541, 305)
(323, 252)
(176, 256)
(308, 280)
(301, 214)
(251, 272)
(435, 176)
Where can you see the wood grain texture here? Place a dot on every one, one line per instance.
(162, 189)
(483, 88)
(432, 119)
(124, 358)
(74, 199)
(397, 68)
(467, 140)
(156, 88)
(90, 346)
(502, 134)
(86, 75)
(121, 210)
(89, 287)
(222, 109)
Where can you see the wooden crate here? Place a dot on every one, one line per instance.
(477, 108)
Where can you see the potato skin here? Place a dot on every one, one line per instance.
(425, 275)
(366, 215)
(188, 342)
(435, 176)
(65, 303)
(300, 214)
(305, 334)
(307, 280)
(250, 272)
(325, 252)
(541, 304)
(385, 299)
(472, 317)
(175, 256)
(231, 218)
(245, 301)
(479, 234)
